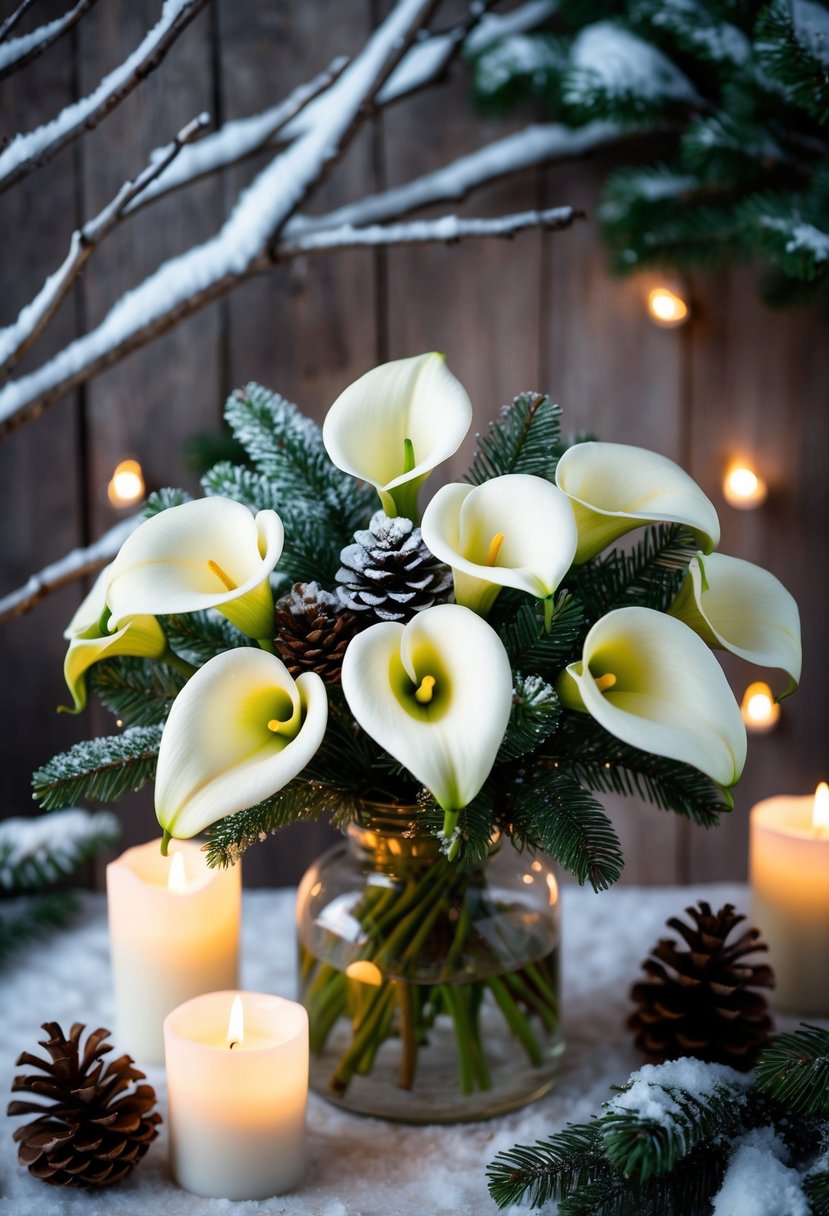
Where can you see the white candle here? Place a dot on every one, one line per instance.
(174, 933)
(790, 881)
(237, 1093)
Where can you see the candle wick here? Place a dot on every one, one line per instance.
(233, 1043)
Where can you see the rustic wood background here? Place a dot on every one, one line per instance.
(538, 313)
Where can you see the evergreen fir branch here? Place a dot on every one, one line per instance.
(781, 226)
(648, 576)
(524, 438)
(694, 29)
(816, 1188)
(687, 1189)
(31, 917)
(794, 1070)
(519, 68)
(530, 647)
(534, 716)
(200, 636)
(556, 815)
(548, 1169)
(162, 500)
(38, 851)
(475, 825)
(101, 769)
(243, 484)
(209, 448)
(598, 760)
(137, 692)
(796, 55)
(287, 448)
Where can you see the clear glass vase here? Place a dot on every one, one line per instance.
(432, 989)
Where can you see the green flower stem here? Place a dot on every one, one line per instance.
(515, 1019)
(384, 1032)
(407, 996)
(266, 644)
(170, 659)
(524, 992)
(466, 1069)
(363, 1038)
(545, 983)
(462, 928)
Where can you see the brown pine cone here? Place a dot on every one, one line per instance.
(702, 1001)
(98, 1125)
(313, 631)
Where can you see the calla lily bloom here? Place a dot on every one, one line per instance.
(650, 681)
(141, 636)
(513, 531)
(436, 694)
(395, 424)
(615, 488)
(239, 730)
(734, 605)
(209, 553)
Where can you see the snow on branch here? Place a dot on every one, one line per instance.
(68, 569)
(18, 52)
(33, 148)
(17, 339)
(448, 229)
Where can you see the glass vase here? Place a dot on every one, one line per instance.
(432, 988)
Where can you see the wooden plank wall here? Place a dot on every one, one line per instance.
(537, 312)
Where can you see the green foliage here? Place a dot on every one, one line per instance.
(555, 814)
(816, 1187)
(524, 438)
(790, 52)
(31, 917)
(162, 500)
(547, 1170)
(534, 716)
(36, 853)
(299, 801)
(529, 646)
(794, 1070)
(647, 576)
(102, 769)
(138, 693)
(200, 636)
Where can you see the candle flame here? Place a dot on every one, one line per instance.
(820, 810)
(236, 1023)
(176, 875)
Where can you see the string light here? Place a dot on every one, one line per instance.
(667, 307)
(126, 486)
(758, 708)
(743, 488)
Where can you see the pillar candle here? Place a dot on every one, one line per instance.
(237, 1095)
(168, 942)
(790, 883)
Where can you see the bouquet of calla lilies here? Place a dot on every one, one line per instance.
(548, 666)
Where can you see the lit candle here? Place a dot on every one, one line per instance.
(790, 881)
(667, 308)
(758, 708)
(743, 488)
(237, 1087)
(174, 933)
(126, 486)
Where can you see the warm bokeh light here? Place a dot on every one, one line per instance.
(365, 971)
(666, 308)
(236, 1023)
(759, 709)
(820, 810)
(176, 875)
(126, 486)
(743, 488)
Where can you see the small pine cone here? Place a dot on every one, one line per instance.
(313, 631)
(99, 1125)
(389, 572)
(701, 1001)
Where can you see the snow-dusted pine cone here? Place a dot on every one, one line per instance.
(389, 572)
(312, 630)
(95, 1123)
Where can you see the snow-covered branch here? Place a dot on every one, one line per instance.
(17, 339)
(448, 229)
(18, 52)
(33, 148)
(68, 569)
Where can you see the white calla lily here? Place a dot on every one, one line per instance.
(513, 531)
(209, 553)
(140, 636)
(653, 683)
(395, 424)
(615, 488)
(436, 694)
(239, 730)
(734, 605)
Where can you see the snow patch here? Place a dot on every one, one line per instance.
(811, 27)
(608, 56)
(758, 1183)
(648, 1095)
(51, 841)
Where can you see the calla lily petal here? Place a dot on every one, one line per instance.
(395, 424)
(512, 531)
(734, 605)
(436, 694)
(140, 636)
(239, 730)
(650, 681)
(615, 487)
(209, 553)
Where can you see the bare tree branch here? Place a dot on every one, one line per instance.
(27, 151)
(68, 569)
(10, 22)
(449, 229)
(18, 338)
(240, 249)
(20, 51)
